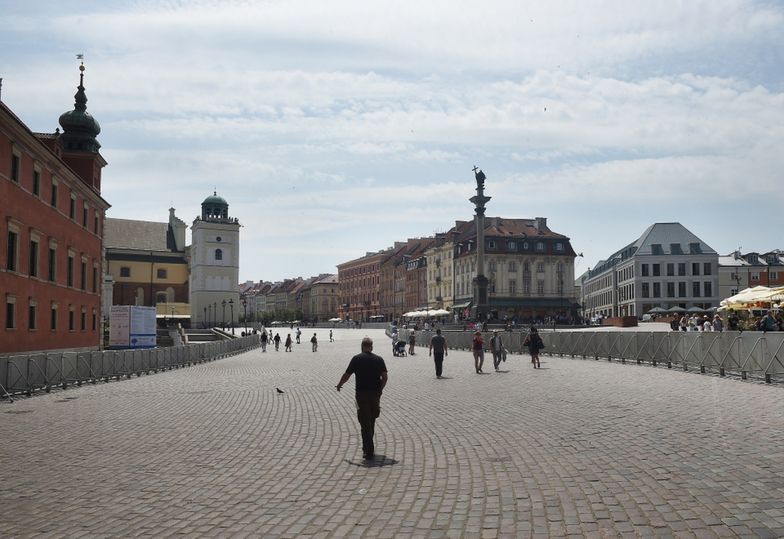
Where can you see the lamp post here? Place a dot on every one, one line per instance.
(209, 314)
(215, 313)
(231, 307)
(223, 317)
(245, 311)
(480, 281)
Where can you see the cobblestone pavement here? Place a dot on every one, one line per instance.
(577, 448)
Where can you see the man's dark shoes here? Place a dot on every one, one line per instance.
(368, 456)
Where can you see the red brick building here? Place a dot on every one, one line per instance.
(359, 285)
(51, 227)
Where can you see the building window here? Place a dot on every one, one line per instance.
(72, 208)
(525, 245)
(681, 269)
(53, 200)
(71, 319)
(512, 245)
(540, 288)
(656, 270)
(512, 267)
(695, 268)
(527, 286)
(33, 270)
(32, 316)
(646, 290)
(52, 264)
(125, 271)
(83, 276)
(681, 290)
(656, 249)
(36, 183)
(695, 289)
(695, 248)
(755, 276)
(540, 267)
(644, 270)
(85, 213)
(161, 272)
(95, 279)
(491, 244)
(656, 290)
(670, 270)
(95, 223)
(95, 320)
(13, 251)
(707, 288)
(773, 276)
(83, 320)
(160, 297)
(15, 166)
(670, 290)
(491, 266)
(706, 268)
(53, 317)
(218, 254)
(512, 287)
(70, 271)
(559, 246)
(539, 246)
(10, 313)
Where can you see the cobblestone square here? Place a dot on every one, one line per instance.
(578, 448)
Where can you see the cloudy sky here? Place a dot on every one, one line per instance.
(336, 128)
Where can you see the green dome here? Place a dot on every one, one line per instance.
(215, 200)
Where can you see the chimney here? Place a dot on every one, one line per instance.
(540, 223)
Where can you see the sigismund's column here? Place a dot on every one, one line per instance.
(481, 307)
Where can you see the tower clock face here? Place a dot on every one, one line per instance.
(218, 238)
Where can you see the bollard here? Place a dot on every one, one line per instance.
(721, 371)
(743, 375)
(669, 364)
(767, 378)
(702, 369)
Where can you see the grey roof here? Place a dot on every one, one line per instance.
(666, 235)
(139, 235)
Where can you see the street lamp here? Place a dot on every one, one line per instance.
(209, 314)
(223, 318)
(231, 307)
(245, 311)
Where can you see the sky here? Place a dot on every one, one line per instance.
(337, 128)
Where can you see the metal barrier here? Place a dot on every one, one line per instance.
(24, 374)
(755, 354)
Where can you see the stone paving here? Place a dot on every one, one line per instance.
(575, 449)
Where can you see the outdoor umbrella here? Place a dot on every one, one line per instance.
(657, 310)
(695, 310)
(676, 309)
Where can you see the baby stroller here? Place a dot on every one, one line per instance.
(399, 349)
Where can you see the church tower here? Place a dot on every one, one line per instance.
(215, 265)
(77, 145)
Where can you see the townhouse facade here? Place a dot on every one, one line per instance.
(738, 271)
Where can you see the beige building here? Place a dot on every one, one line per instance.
(439, 273)
(322, 300)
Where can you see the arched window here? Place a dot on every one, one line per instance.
(218, 254)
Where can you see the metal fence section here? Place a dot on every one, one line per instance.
(754, 354)
(24, 374)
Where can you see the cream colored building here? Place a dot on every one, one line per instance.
(439, 273)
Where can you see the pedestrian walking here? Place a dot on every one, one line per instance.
(314, 342)
(497, 348)
(277, 342)
(411, 342)
(534, 343)
(288, 343)
(330, 336)
(371, 378)
(718, 324)
(299, 332)
(478, 348)
(263, 341)
(438, 349)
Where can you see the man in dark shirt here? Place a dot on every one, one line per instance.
(371, 377)
(438, 350)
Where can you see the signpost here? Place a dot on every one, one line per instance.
(132, 326)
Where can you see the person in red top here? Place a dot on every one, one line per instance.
(478, 347)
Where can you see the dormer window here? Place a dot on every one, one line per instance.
(539, 246)
(491, 244)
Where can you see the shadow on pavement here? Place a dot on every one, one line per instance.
(378, 461)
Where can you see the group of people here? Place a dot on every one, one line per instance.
(533, 341)
(266, 337)
(372, 376)
(770, 321)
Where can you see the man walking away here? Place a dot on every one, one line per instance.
(314, 342)
(371, 377)
(438, 350)
(263, 341)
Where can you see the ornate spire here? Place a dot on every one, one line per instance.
(79, 127)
